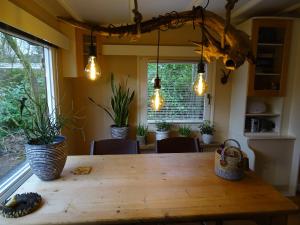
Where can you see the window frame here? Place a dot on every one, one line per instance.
(143, 95)
(17, 176)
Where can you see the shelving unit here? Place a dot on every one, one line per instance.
(267, 78)
(262, 114)
(270, 41)
(268, 122)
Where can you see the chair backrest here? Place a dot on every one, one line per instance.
(177, 145)
(114, 147)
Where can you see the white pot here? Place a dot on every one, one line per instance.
(162, 135)
(141, 140)
(207, 138)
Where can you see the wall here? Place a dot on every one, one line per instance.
(97, 122)
(73, 92)
(291, 120)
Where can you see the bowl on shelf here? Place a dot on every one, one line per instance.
(256, 107)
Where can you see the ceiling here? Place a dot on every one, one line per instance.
(119, 11)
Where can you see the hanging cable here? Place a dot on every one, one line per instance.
(157, 53)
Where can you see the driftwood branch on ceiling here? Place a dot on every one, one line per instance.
(222, 40)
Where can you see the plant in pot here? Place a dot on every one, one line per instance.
(141, 134)
(162, 130)
(120, 102)
(207, 131)
(45, 148)
(184, 131)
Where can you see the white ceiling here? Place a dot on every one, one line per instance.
(119, 11)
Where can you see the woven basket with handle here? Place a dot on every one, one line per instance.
(229, 161)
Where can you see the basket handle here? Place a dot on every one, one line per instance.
(223, 155)
(233, 140)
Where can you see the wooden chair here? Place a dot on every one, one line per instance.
(114, 147)
(177, 145)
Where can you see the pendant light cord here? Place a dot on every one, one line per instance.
(91, 38)
(157, 60)
(202, 33)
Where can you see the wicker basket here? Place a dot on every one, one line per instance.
(47, 161)
(229, 161)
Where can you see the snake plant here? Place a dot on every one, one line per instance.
(120, 101)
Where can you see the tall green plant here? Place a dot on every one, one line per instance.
(43, 126)
(120, 101)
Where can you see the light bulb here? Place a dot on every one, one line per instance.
(200, 85)
(157, 101)
(92, 69)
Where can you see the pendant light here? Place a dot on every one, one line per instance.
(92, 69)
(200, 85)
(157, 101)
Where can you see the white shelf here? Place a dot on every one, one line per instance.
(262, 114)
(261, 134)
(267, 74)
(270, 44)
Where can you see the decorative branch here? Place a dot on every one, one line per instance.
(236, 47)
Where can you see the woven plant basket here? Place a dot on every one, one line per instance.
(119, 132)
(47, 161)
(229, 161)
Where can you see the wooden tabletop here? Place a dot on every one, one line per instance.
(148, 188)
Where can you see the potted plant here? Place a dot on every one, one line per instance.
(184, 131)
(162, 130)
(120, 101)
(207, 131)
(45, 148)
(141, 134)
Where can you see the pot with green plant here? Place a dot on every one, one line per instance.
(45, 148)
(120, 102)
(207, 131)
(162, 130)
(141, 134)
(184, 131)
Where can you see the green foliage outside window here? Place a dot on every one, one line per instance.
(181, 103)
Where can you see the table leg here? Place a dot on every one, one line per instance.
(273, 220)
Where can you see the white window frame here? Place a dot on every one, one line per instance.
(22, 172)
(143, 95)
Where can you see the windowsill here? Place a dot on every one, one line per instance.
(14, 181)
(175, 122)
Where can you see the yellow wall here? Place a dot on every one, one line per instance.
(73, 92)
(97, 124)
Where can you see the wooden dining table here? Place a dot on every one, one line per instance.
(151, 188)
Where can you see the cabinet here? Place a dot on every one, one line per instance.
(75, 58)
(271, 43)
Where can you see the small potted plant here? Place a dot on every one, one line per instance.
(141, 134)
(162, 130)
(120, 102)
(184, 131)
(45, 148)
(207, 131)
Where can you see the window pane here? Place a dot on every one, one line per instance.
(181, 103)
(22, 71)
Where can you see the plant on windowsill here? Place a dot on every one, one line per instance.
(120, 102)
(207, 131)
(162, 130)
(184, 131)
(45, 148)
(141, 134)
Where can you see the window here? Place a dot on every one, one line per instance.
(25, 68)
(182, 105)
